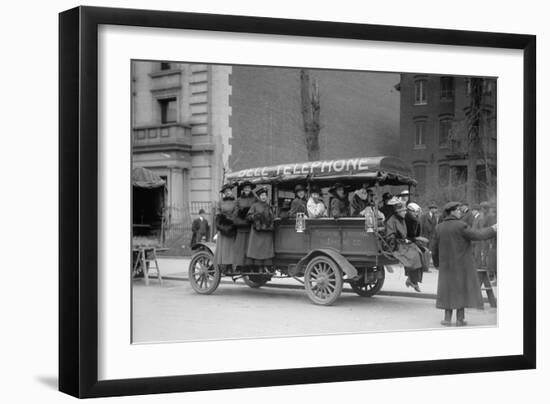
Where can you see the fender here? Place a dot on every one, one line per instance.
(204, 245)
(331, 253)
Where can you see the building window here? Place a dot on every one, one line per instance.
(420, 175)
(444, 175)
(168, 110)
(468, 87)
(419, 134)
(445, 125)
(447, 88)
(165, 66)
(420, 92)
(459, 175)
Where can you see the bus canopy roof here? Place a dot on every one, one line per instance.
(384, 170)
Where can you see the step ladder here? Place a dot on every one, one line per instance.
(146, 256)
(485, 285)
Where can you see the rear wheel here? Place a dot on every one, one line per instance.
(204, 276)
(369, 289)
(256, 281)
(323, 281)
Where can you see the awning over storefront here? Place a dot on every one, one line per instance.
(385, 170)
(144, 178)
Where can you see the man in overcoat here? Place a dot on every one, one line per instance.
(428, 221)
(458, 284)
(200, 228)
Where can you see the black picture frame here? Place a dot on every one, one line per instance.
(78, 196)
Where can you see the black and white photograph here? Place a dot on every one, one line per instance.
(295, 201)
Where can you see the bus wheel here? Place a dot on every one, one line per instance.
(323, 280)
(204, 276)
(368, 289)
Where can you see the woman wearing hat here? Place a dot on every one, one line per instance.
(339, 203)
(244, 202)
(362, 198)
(260, 243)
(299, 203)
(315, 205)
(458, 282)
(225, 241)
(403, 248)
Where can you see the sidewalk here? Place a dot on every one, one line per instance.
(175, 268)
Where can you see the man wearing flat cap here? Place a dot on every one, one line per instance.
(299, 203)
(458, 283)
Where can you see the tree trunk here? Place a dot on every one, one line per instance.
(473, 137)
(310, 114)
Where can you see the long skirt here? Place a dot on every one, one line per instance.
(260, 247)
(240, 248)
(409, 255)
(225, 250)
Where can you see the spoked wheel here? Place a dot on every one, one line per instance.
(204, 276)
(323, 281)
(368, 289)
(256, 281)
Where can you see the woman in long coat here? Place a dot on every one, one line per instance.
(260, 243)
(404, 249)
(458, 284)
(244, 202)
(225, 241)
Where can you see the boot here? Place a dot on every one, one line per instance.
(447, 320)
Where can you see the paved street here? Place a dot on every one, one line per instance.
(174, 312)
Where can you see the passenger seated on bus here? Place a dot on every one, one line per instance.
(315, 205)
(339, 203)
(362, 198)
(299, 203)
(284, 210)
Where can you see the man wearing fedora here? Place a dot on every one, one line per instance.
(299, 203)
(428, 221)
(200, 228)
(458, 283)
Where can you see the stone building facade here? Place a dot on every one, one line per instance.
(194, 122)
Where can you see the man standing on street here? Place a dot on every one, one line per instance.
(458, 283)
(428, 221)
(200, 228)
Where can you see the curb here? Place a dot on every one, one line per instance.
(415, 295)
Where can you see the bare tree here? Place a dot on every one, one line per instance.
(310, 113)
(472, 139)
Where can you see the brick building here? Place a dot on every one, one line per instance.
(435, 118)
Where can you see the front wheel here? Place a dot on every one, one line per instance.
(369, 289)
(323, 281)
(204, 276)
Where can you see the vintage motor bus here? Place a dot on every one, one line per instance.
(320, 253)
